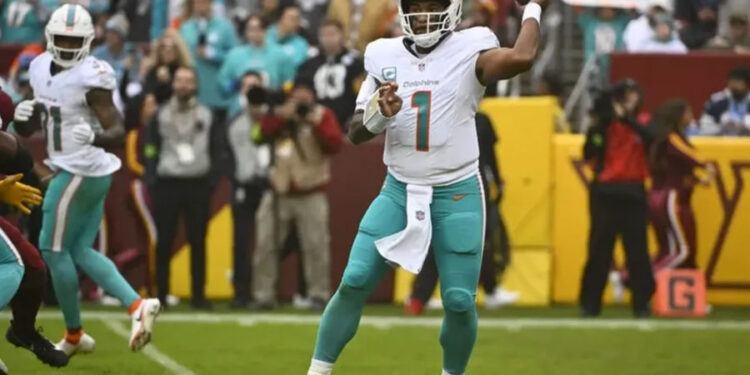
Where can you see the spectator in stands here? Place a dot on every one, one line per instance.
(363, 21)
(664, 38)
(270, 10)
(23, 21)
(178, 12)
(256, 55)
(313, 14)
(147, 15)
(737, 39)
(304, 134)
(698, 21)
(285, 34)
(640, 30)
(29, 52)
(729, 8)
(616, 150)
(124, 57)
(603, 31)
(158, 71)
(727, 112)
(209, 38)
(249, 179)
(336, 72)
(178, 151)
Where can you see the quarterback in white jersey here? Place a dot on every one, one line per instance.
(423, 90)
(73, 103)
(433, 141)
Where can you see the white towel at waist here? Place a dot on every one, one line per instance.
(408, 248)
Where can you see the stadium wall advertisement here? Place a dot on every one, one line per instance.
(546, 205)
(722, 214)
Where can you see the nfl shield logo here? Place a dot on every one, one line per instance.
(421, 67)
(420, 215)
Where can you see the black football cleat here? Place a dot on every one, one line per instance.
(44, 350)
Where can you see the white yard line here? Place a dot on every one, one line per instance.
(386, 322)
(150, 351)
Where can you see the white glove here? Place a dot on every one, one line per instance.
(83, 134)
(24, 110)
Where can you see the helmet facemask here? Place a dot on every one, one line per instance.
(68, 57)
(436, 23)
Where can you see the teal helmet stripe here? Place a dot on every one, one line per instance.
(71, 21)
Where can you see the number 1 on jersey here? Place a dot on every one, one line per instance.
(422, 101)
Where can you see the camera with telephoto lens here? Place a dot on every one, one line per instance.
(302, 110)
(257, 95)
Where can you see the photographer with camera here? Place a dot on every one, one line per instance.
(249, 175)
(615, 148)
(303, 135)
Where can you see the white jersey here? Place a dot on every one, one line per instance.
(64, 98)
(433, 140)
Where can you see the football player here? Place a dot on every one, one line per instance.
(423, 90)
(22, 271)
(73, 103)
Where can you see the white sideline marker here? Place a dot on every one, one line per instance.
(513, 324)
(150, 351)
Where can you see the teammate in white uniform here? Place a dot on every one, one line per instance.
(73, 95)
(423, 91)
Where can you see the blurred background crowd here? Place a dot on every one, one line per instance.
(266, 88)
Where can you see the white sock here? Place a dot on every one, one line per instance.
(446, 373)
(320, 368)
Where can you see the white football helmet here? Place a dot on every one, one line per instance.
(438, 23)
(69, 20)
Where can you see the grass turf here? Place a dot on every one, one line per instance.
(227, 348)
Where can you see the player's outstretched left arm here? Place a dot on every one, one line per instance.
(503, 63)
(100, 101)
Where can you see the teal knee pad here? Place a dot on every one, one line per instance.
(458, 300)
(355, 275)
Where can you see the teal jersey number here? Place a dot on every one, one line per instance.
(53, 114)
(422, 101)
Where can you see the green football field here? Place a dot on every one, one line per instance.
(514, 341)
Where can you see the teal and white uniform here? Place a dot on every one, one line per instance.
(74, 203)
(432, 142)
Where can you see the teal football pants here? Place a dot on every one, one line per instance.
(72, 212)
(457, 237)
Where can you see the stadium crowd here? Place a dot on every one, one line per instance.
(200, 80)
